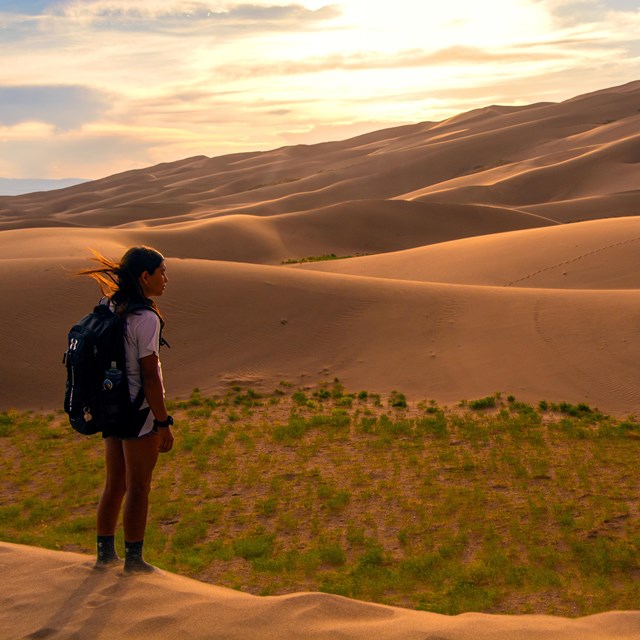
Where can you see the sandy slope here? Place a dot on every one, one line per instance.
(258, 324)
(599, 254)
(55, 594)
(473, 283)
(353, 228)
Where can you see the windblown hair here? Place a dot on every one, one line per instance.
(120, 282)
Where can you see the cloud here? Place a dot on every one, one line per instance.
(172, 17)
(157, 80)
(622, 5)
(65, 107)
(457, 55)
(595, 13)
(318, 133)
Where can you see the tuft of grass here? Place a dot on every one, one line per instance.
(6, 424)
(488, 402)
(254, 546)
(398, 400)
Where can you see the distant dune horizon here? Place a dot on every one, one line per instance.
(20, 186)
(493, 251)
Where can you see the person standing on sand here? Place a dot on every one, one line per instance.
(139, 276)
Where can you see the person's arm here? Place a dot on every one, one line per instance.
(153, 392)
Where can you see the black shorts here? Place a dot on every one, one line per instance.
(131, 426)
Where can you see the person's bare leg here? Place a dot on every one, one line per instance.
(140, 457)
(110, 502)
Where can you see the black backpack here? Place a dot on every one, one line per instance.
(97, 392)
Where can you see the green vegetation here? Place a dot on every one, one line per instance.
(322, 258)
(495, 505)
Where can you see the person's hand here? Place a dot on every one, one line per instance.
(165, 439)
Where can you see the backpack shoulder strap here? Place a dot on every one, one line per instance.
(140, 307)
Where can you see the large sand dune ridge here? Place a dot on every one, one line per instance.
(494, 251)
(465, 278)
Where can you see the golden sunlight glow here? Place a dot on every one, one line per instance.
(414, 23)
(164, 79)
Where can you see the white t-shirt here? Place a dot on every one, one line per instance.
(142, 338)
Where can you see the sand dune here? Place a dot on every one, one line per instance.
(431, 340)
(475, 295)
(545, 147)
(600, 254)
(352, 228)
(466, 280)
(580, 173)
(55, 594)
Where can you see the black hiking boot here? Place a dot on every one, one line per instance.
(133, 562)
(107, 555)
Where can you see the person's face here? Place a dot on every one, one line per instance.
(153, 284)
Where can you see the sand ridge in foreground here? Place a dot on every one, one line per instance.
(58, 595)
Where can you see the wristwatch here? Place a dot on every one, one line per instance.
(163, 423)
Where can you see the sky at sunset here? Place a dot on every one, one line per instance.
(89, 88)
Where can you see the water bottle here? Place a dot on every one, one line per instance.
(112, 377)
(110, 401)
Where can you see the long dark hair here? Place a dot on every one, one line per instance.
(120, 281)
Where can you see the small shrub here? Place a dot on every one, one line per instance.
(333, 498)
(295, 428)
(217, 550)
(300, 398)
(188, 533)
(355, 535)
(398, 400)
(337, 390)
(372, 557)
(332, 554)
(217, 438)
(268, 507)
(195, 400)
(322, 258)
(256, 546)
(435, 424)
(395, 427)
(629, 425)
(483, 403)
(345, 401)
(368, 424)
(337, 419)
(422, 566)
(6, 424)
(248, 399)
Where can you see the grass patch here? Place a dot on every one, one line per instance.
(495, 505)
